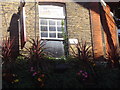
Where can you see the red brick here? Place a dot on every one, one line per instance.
(96, 30)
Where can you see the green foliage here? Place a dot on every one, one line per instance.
(63, 80)
(9, 80)
(38, 78)
(21, 63)
(77, 75)
(108, 78)
(65, 37)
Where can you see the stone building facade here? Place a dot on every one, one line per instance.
(89, 21)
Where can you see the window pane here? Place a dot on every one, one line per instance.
(44, 28)
(51, 11)
(43, 22)
(60, 35)
(52, 29)
(60, 28)
(44, 34)
(53, 35)
(56, 48)
(59, 22)
(51, 22)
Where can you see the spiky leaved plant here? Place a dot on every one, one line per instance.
(36, 52)
(113, 57)
(7, 46)
(83, 50)
(84, 54)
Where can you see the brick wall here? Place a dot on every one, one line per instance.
(96, 30)
(77, 24)
(104, 32)
(110, 29)
(78, 21)
(9, 12)
(32, 21)
(82, 22)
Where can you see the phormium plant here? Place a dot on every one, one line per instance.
(83, 51)
(36, 52)
(113, 57)
(7, 50)
(7, 59)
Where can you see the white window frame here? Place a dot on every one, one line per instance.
(22, 25)
(55, 19)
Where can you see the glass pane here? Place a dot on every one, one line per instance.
(51, 22)
(52, 29)
(44, 28)
(56, 48)
(53, 35)
(60, 28)
(51, 11)
(60, 35)
(59, 22)
(43, 34)
(43, 22)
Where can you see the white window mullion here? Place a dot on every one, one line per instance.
(56, 28)
(48, 27)
(53, 13)
(40, 28)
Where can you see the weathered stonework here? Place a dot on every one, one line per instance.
(82, 22)
(78, 24)
(7, 10)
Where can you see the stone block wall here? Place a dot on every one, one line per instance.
(78, 23)
(77, 20)
(83, 21)
(31, 21)
(7, 11)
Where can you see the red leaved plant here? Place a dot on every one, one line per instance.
(6, 55)
(36, 52)
(7, 45)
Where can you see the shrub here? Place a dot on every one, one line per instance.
(7, 59)
(10, 78)
(84, 55)
(82, 75)
(83, 52)
(113, 57)
(6, 50)
(36, 52)
(38, 77)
